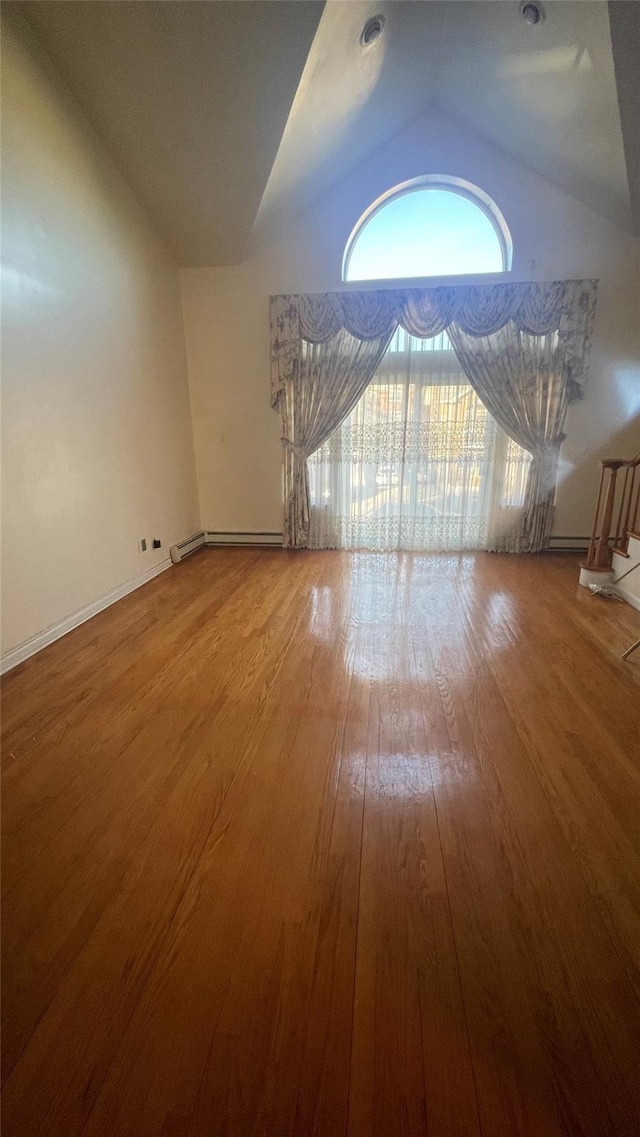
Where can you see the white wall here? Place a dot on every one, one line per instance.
(236, 434)
(97, 442)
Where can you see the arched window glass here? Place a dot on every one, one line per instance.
(429, 227)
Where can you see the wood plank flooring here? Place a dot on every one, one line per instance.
(327, 844)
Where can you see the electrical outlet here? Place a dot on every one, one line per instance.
(157, 543)
(142, 545)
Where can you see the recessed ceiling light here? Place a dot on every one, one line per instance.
(532, 13)
(372, 30)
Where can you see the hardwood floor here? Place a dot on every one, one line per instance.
(327, 844)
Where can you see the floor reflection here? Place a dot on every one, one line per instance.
(389, 601)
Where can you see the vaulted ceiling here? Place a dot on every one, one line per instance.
(625, 41)
(545, 94)
(211, 108)
(189, 98)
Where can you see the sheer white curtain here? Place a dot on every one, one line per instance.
(419, 463)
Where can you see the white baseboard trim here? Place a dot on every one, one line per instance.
(206, 537)
(220, 537)
(630, 598)
(43, 639)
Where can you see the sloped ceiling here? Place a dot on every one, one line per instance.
(221, 112)
(190, 99)
(545, 94)
(624, 18)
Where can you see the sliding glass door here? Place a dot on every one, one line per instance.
(419, 463)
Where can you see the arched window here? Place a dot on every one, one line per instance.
(430, 226)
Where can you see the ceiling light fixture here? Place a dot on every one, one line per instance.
(532, 13)
(372, 31)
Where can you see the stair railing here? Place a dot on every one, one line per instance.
(617, 510)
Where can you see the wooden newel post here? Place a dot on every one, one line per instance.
(607, 535)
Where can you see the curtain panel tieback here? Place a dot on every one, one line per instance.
(297, 451)
(548, 450)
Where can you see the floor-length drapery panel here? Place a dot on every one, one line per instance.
(525, 347)
(419, 463)
(326, 384)
(523, 380)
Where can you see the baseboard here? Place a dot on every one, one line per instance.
(220, 537)
(274, 540)
(43, 639)
(634, 601)
(569, 544)
(207, 537)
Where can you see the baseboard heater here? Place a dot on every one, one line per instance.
(568, 544)
(223, 537)
(273, 540)
(183, 548)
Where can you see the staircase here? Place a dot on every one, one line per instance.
(614, 549)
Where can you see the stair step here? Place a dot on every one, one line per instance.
(632, 550)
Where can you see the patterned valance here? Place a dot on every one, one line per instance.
(565, 306)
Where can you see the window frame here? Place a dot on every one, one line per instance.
(429, 182)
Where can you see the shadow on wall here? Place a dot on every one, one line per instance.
(585, 477)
